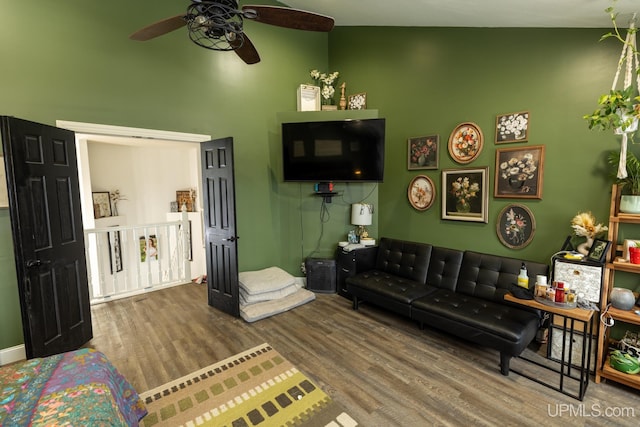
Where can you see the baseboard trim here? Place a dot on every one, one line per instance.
(12, 354)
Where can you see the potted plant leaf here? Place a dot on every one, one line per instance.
(629, 203)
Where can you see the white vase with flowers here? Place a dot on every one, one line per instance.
(327, 82)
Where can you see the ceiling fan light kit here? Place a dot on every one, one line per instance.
(219, 25)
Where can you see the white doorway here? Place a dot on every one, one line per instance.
(147, 167)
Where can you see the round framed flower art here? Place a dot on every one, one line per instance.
(515, 226)
(421, 192)
(466, 142)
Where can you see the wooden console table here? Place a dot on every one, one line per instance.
(570, 318)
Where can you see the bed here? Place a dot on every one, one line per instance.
(76, 388)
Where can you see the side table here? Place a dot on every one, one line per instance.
(575, 323)
(349, 263)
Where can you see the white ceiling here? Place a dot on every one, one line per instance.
(471, 13)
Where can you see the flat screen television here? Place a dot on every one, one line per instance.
(334, 151)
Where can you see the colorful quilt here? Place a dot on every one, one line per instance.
(79, 388)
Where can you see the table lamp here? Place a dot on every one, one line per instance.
(361, 215)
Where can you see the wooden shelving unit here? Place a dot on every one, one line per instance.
(603, 368)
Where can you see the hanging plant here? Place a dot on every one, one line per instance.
(619, 109)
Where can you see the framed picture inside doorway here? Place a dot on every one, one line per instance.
(115, 251)
(183, 197)
(101, 204)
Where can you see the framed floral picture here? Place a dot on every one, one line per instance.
(465, 142)
(357, 101)
(465, 194)
(515, 226)
(423, 152)
(101, 204)
(519, 172)
(512, 127)
(421, 192)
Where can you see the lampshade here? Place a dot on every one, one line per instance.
(361, 214)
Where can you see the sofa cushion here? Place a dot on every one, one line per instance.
(408, 260)
(444, 267)
(507, 328)
(389, 286)
(490, 276)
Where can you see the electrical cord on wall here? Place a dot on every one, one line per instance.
(325, 216)
(362, 199)
(303, 269)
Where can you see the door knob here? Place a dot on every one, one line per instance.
(36, 263)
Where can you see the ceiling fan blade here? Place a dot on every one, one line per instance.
(247, 52)
(159, 28)
(288, 18)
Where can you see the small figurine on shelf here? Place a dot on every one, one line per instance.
(343, 100)
(192, 196)
(115, 197)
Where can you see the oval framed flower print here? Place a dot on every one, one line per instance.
(466, 142)
(421, 192)
(516, 226)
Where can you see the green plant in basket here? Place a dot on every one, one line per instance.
(617, 110)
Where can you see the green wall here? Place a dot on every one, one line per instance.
(75, 62)
(426, 81)
(10, 323)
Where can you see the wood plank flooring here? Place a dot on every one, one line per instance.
(380, 366)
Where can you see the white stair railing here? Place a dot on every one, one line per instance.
(124, 261)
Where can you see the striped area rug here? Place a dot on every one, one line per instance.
(255, 387)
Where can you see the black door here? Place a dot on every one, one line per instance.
(220, 225)
(46, 220)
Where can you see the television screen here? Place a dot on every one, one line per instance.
(334, 151)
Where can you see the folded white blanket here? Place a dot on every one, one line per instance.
(267, 280)
(261, 310)
(247, 298)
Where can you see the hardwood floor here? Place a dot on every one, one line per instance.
(380, 366)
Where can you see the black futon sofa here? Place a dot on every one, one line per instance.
(460, 292)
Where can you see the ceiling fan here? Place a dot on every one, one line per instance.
(218, 25)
